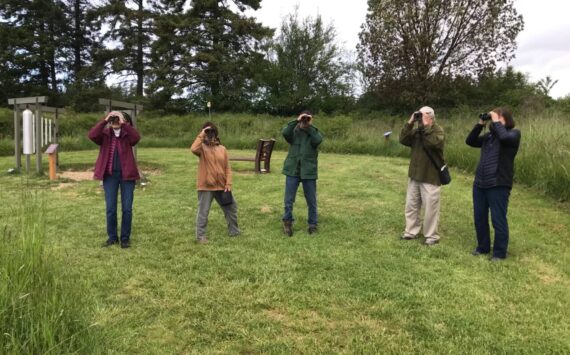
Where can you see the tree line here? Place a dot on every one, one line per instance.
(176, 55)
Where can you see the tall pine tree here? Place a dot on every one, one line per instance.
(85, 64)
(210, 52)
(32, 37)
(130, 30)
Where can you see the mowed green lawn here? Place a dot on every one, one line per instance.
(355, 287)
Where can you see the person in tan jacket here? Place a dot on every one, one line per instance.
(214, 181)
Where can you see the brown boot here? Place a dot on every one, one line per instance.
(288, 228)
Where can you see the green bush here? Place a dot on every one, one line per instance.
(6, 147)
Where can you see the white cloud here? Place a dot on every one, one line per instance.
(544, 45)
(347, 17)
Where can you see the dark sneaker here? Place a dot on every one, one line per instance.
(288, 228)
(125, 244)
(408, 237)
(109, 242)
(312, 228)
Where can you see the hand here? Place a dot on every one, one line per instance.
(205, 129)
(227, 189)
(115, 113)
(494, 116)
(411, 120)
(303, 115)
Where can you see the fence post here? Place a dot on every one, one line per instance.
(52, 156)
(17, 136)
(38, 134)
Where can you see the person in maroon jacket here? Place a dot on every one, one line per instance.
(117, 167)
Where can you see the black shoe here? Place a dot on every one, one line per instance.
(108, 243)
(312, 228)
(408, 237)
(125, 244)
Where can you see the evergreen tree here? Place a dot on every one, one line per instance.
(209, 53)
(85, 66)
(306, 68)
(130, 30)
(32, 33)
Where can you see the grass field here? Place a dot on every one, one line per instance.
(353, 288)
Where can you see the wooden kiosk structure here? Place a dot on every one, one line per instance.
(45, 131)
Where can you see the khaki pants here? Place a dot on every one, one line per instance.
(426, 195)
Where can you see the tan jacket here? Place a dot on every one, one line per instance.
(214, 172)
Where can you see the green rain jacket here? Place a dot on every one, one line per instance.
(303, 151)
(421, 168)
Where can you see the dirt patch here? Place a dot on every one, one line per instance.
(77, 175)
(149, 171)
(266, 209)
(88, 174)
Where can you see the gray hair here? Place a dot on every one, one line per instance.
(429, 111)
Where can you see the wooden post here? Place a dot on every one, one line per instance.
(38, 134)
(56, 136)
(17, 137)
(52, 156)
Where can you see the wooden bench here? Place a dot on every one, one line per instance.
(262, 154)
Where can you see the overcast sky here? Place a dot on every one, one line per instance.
(543, 46)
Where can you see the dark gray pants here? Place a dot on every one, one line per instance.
(204, 203)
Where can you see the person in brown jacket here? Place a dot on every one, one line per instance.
(214, 181)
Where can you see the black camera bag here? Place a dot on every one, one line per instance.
(224, 198)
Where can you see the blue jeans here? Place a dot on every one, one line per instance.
(310, 191)
(495, 199)
(111, 184)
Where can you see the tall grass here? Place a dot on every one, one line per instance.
(40, 312)
(543, 160)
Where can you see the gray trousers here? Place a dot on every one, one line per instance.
(204, 203)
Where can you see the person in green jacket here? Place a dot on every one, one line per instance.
(301, 167)
(421, 133)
